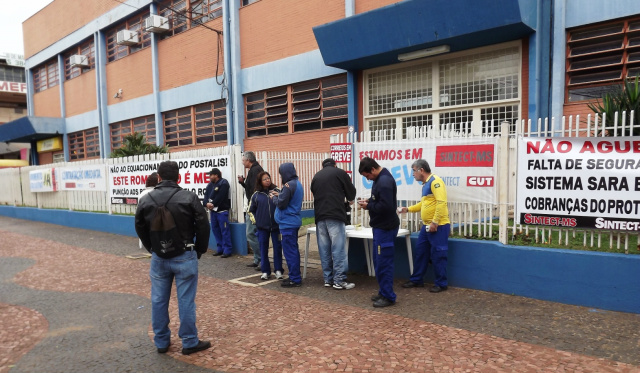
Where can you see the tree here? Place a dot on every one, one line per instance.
(625, 98)
(135, 144)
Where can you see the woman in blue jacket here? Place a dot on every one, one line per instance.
(261, 212)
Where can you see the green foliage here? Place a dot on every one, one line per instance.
(308, 221)
(135, 144)
(625, 98)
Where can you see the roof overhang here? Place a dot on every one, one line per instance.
(377, 37)
(28, 129)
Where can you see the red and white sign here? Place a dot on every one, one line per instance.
(466, 165)
(13, 87)
(341, 152)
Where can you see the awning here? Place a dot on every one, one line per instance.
(28, 129)
(375, 38)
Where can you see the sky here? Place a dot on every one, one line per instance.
(12, 14)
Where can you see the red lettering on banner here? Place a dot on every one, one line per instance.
(465, 156)
(392, 155)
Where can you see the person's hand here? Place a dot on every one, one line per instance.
(274, 193)
(363, 203)
(402, 210)
(210, 206)
(433, 227)
(241, 179)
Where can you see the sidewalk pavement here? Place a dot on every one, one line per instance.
(70, 301)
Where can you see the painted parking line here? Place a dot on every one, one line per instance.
(261, 283)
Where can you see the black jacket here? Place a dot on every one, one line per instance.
(250, 181)
(189, 215)
(330, 186)
(218, 194)
(383, 202)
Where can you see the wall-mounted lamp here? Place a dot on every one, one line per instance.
(423, 53)
(118, 94)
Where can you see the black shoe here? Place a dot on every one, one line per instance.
(377, 297)
(225, 255)
(201, 346)
(411, 284)
(437, 289)
(217, 254)
(252, 265)
(383, 302)
(290, 284)
(258, 268)
(164, 349)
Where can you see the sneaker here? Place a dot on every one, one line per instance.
(344, 285)
(437, 289)
(290, 284)
(377, 297)
(383, 302)
(202, 345)
(264, 276)
(328, 284)
(279, 275)
(411, 284)
(163, 350)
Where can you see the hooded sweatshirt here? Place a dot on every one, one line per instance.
(289, 201)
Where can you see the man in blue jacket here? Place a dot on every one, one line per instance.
(216, 200)
(385, 223)
(288, 207)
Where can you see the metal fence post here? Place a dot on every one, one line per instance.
(503, 180)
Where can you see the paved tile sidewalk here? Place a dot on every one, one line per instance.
(266, 329)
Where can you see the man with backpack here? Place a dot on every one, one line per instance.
(173, 226)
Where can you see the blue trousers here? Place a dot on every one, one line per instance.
(383, 252)
(431, 246)
(291, 252)
(184, 269)
(263, 239)
(221, 231)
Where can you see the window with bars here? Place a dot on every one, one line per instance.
(144, 125)
(135, 24)
(311, 105)
(467, 86)
(12, 73)
(457, 120)
(388, 125)
(484, 77)
(186, 14)
(87, 49)
(493, 117)
(195, 125)
(600, 57)
(400, 90)
(46, 76)
(84, 144)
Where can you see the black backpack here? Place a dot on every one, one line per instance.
(166, 241)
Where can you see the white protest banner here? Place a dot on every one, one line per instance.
(128, 180)
(42, 180)
(466, 165)
(85, 177)
(579, 182)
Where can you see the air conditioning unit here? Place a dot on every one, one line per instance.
(126, 37)
(79, 60)
(156, 23)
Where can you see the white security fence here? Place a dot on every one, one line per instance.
(485, 220)
(16, 188)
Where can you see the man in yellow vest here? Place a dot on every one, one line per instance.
(433, 241)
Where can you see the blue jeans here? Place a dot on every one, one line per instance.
(263, 238)
(435, 247)
(221, 231)
(184, 268)
(291, 252)
(383, 254)
(252, 239)
(331, 235)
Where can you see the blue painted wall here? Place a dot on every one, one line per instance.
(592, 279)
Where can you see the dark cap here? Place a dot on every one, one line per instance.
(215, 171)
(328, 162)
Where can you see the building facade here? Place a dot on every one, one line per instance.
(285, 75)
(13, 104)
